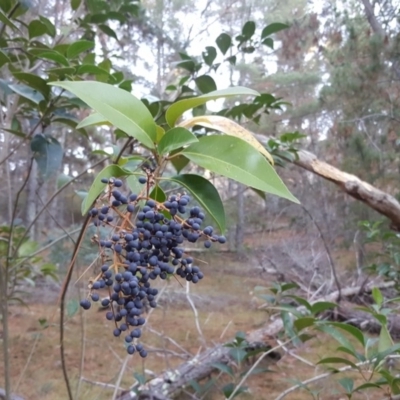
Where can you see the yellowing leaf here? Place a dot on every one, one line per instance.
(228, 127)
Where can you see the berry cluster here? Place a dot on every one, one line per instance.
(144, 245)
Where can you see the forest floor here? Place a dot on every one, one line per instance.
(226, 303)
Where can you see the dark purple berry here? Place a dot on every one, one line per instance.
(85, 304)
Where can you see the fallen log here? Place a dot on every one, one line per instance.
(171, 382)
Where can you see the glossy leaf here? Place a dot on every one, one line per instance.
(248, 29)
(179, 162)
(337, 360)
(92, 119)
(205, 193)
(229, 127)
(119, 107)
(158, 194)
(97, 186)
(174, 139)
(91, 69)
(6, 21)
(268, 42)
(236, 159)
(352, 330)
(273, 28)
(303, 323)
(34, 81)
(205, 84)
(337, 335)
(51, 30)
(178, 108)
(54, 56)
(37, 28)
(79, 47)
(27, 92)
(48, 154)
(209, 55)
(108, 31)
(224, 42)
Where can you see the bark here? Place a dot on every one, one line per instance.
(170, 383)
(378, 200)
(369, 13)
(373, 197)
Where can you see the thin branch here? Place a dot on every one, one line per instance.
(328, 253)
(248, 373)
(320, 377)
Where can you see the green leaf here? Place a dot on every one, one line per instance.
(179, 162)
(224, 42)
(79, 47)
(37, 28)
(27, 92)
(377, 296)
(321, 306)
(337, 335)
(62, 180)
(48, 154)
(134, 185)
(98, 186)
(236, 159)
(224, 368)
(92, 119)
(238, 354)
(248, 29)
(75, 4)
(347, 384)
(119, 107)
(158, 194)
(385, 339)
(91, 69)
(301, 301)
(51, 29)
(273, 28)
(357, 333)
(174, 139)
(56, 57)
(3, 59)
(205, 193)
(178, 108)
(232, 60)
(337, 360)
(108, 31)
(205, 84)
(7, 21)
(72, 307)
(27, 248)
(209, 55)
(34, 81)
(368, 385)
(304, 322)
